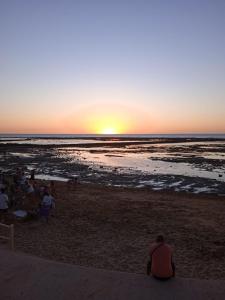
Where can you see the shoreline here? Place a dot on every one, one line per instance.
(110, 141)
(159, 166)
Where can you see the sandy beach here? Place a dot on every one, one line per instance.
(111, 228)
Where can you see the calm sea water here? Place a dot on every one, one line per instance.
(90, 136)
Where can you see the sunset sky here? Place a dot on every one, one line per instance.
(135, 66)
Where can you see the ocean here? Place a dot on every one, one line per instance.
(89, 136)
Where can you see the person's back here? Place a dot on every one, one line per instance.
(48, 200)
(161, 259)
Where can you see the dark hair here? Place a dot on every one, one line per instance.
(2, 190)
(160, 238)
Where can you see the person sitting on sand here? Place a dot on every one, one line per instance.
(161, 265)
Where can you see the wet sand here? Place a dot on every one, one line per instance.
(192, 165)
(111, 228)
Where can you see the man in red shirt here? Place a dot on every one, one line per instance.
(161, 265)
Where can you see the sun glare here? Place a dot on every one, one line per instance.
(109, 131)
(108, 125)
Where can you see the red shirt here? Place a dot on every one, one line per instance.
(161, 260)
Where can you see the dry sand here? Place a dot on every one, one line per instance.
(111, 228)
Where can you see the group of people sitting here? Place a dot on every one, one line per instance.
(17, 191)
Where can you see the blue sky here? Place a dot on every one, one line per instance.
(162, 61)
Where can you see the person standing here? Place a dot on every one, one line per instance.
(32, 174)
(47, 203)
(4, 203)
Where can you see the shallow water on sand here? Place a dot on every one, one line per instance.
(195, 166)
(166, 159)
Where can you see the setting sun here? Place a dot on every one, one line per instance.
(108, 124)
(109, 131)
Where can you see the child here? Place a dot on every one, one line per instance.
(48, 202)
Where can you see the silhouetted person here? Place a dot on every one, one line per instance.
(161, 264)
(32, 174)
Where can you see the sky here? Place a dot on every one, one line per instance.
(122, 66)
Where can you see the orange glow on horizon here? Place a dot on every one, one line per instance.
(110, 119)
(107, 125)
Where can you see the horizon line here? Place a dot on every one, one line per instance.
(106, 134)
